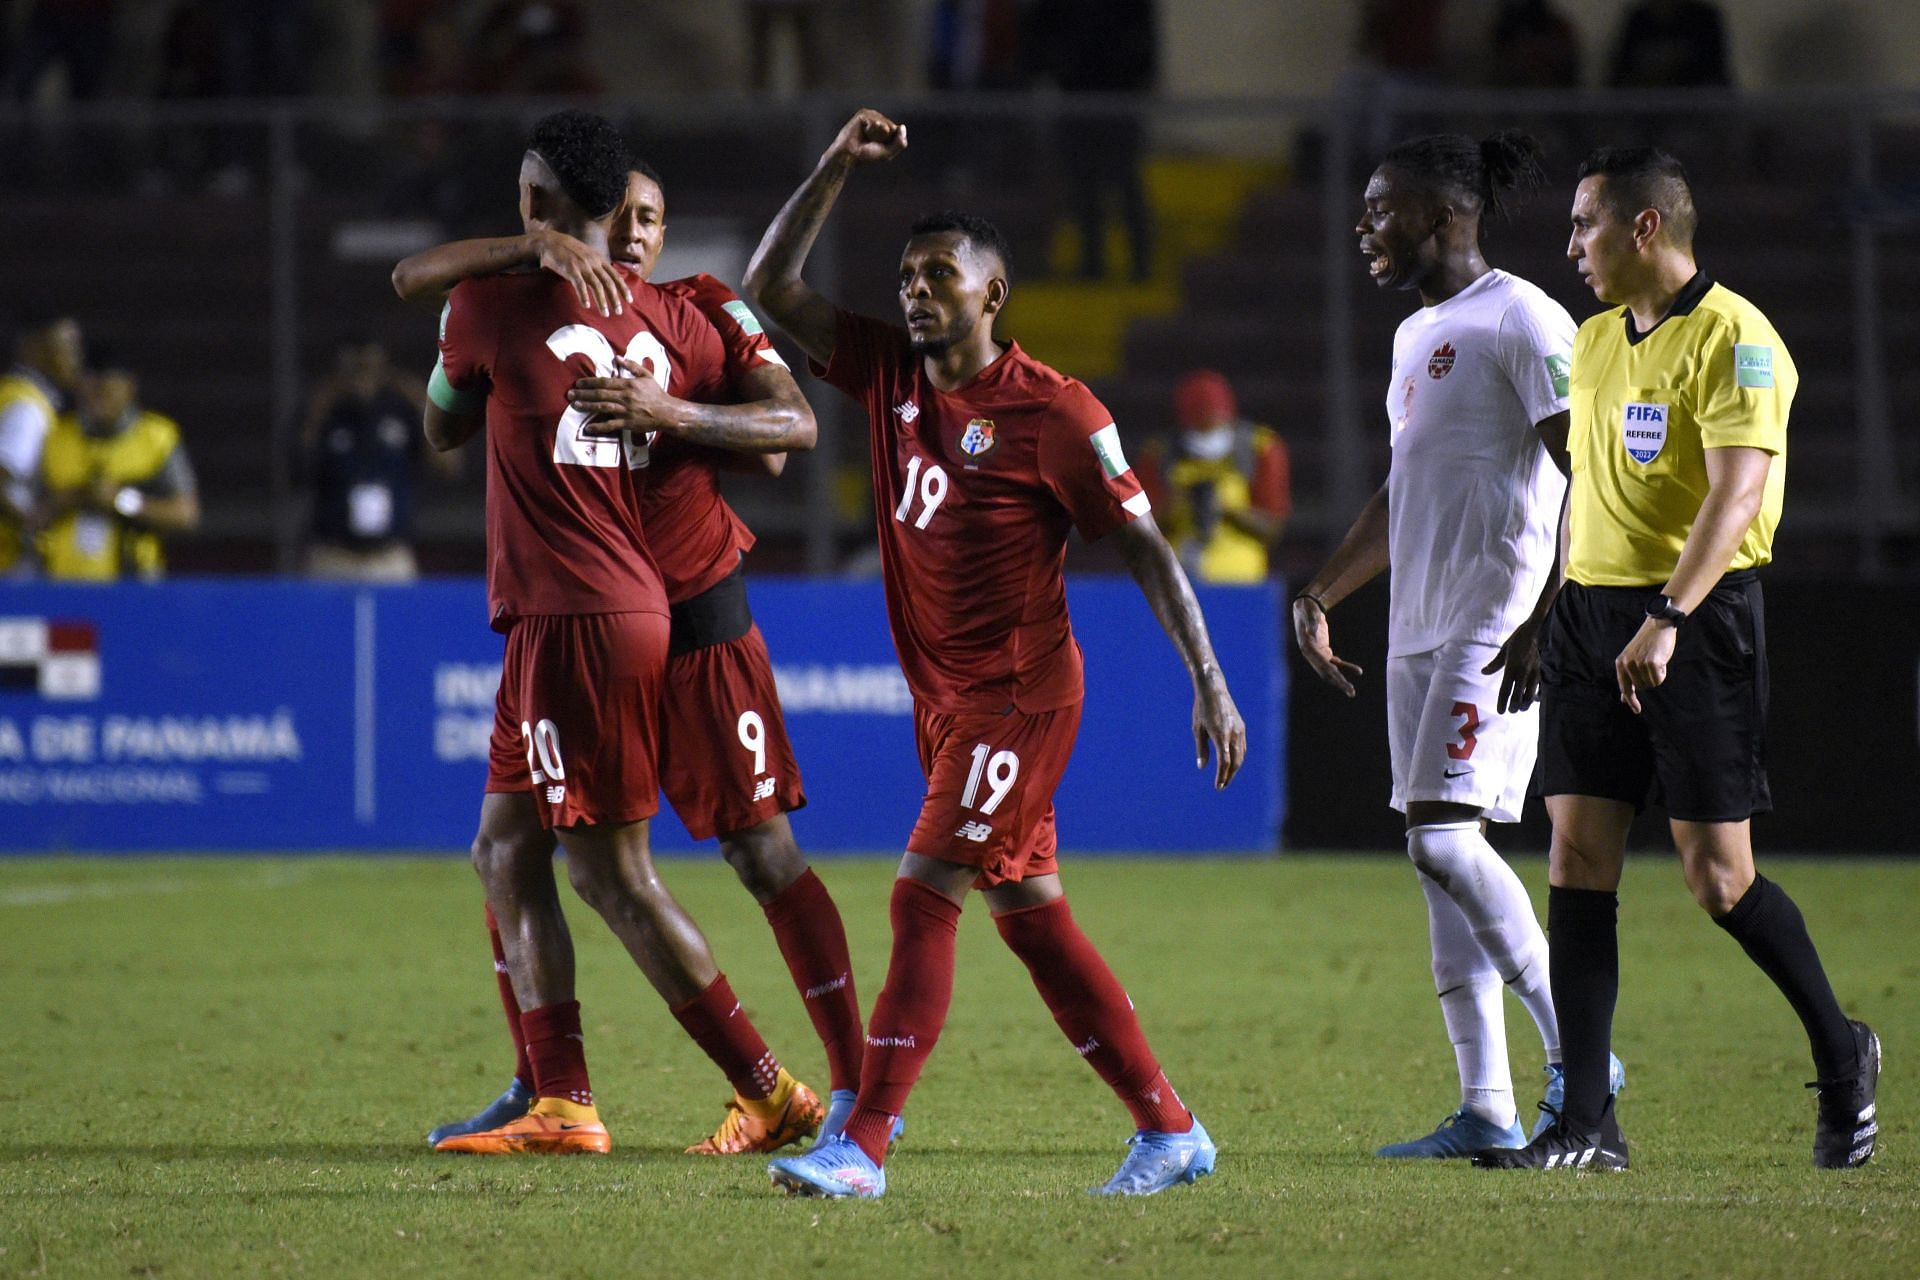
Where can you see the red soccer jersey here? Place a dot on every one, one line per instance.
(974, 491)
(563, 514)
(696, 538)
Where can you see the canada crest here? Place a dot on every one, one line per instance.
(1440, 363)
(978, 439)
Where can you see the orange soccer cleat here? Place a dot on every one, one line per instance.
(555, 1127)
(756, 1126)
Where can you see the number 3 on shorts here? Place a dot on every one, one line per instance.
(543, 740)
(1470, 721)
(998, 769)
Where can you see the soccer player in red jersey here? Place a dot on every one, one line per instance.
(983, 459)
(573, 585)
(727, 764)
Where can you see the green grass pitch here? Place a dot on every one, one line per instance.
(226, 1067)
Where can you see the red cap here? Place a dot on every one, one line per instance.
(1203, 399)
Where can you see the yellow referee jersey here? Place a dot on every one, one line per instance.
(1646, 408)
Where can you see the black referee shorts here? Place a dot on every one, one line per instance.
(1699, 746)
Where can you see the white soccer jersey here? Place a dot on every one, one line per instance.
(1473, 500)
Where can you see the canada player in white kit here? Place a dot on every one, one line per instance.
(1468, 521)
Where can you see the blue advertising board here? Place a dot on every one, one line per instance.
(275, 715)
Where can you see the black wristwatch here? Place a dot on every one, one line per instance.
(1665, 609)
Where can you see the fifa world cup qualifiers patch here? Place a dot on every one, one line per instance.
(1752, 365)
(743, 316)
(1644, 431)
(1560, 369)
(1106, 445)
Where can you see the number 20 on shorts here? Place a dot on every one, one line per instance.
(543, 741)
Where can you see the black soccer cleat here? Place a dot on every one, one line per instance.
(1561, 1146)
(1843, 1136)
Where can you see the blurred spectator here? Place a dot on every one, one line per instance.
(73, 37)
(116, 478)
(1671, 44)
(423, 52)
(975, 44)
(1404, 39)
(764, 19)
(363, 446)
(46, 371)
(1101, 46)
(1224, 495)
(1534, 47)
(534, 47)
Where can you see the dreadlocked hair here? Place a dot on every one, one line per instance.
(1479, 172)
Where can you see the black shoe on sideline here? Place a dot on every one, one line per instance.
(1843, 1136)
(1560, 1146)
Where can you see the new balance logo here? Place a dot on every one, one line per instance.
(556, 795)
(891, 1042)
(827, 988)
(763, 788)
(908, 411)
(975, 831)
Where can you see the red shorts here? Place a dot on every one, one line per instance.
(990, 784)
(725, 761)
(577, 719)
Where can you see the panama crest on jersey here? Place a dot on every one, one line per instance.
(978, 439)
(1440, 363)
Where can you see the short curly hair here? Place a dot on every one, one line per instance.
(588, 156)
(975, 230)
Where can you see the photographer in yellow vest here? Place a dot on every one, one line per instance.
(115, 478)
(1223, 492)
(46, 369)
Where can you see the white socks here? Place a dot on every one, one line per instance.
(1457, 859)
(1469, 989)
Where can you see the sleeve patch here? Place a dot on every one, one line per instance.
(450, 398)
(1560, 370)
(773, 357)
(743, 316)
(1106, 446)
(1752, 365)
(1137, 505)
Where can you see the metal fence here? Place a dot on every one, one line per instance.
(226, 248)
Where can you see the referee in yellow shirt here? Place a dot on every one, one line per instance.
(1653, 670)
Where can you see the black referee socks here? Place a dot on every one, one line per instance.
(1583, 959)
(1770, 928)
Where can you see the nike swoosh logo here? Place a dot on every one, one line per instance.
(572, 1126)
(1449, 774)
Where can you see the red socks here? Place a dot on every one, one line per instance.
(807, 926)
(558, 1052)
(1091, 1006)
(522, 1069)
(723, 1031)
(909, 1013)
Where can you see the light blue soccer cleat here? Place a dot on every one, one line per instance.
(840, 1110)
(505, 1109)
(1458, 1136)
(1161, 1160)
(835, 1170)
(1556, 1096)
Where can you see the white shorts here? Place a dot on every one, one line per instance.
(1447, 740)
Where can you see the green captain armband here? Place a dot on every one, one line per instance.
(451, 398)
